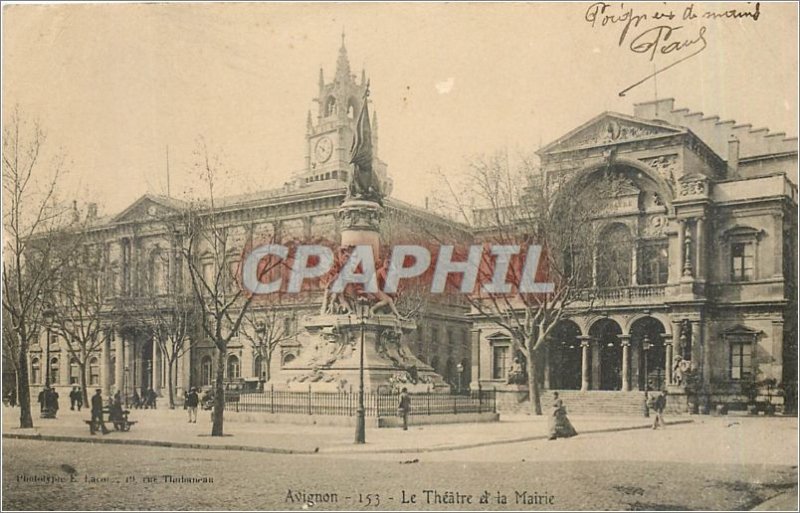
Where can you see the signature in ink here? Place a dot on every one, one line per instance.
(660, 40)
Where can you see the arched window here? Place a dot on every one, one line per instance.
(615, 257)
(94, 371)
(74, 372)
(330, 106)
(205, 371)
(233, 367)
(289, 358)
(54, 370)
(36, 371)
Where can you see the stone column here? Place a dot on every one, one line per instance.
(778, 248)
(475, 341)
(130, 364)
(105, 366)
(634, 264)
(688, 271)
(676, 333)
(156, 381)
(667, 358)
(594, 266)
(595, 365)
(699, 351)
(681, 246)
(700, 244)
(626, 362)
(584, 362)
(777, 349)
(119, 362)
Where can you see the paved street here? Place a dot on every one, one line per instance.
(712, 463)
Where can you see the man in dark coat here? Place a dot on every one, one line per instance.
(97, 412)
(404, 407)
(42, 399)
(192, 400)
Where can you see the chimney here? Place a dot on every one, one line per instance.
(91, 211)
(733, 154)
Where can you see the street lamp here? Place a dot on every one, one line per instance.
(125, 386)
(48, 412)
(460, 370)
(361, 436)
(646, 346)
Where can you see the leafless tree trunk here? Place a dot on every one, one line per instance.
(30, 216)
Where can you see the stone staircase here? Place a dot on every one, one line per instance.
(598, 402)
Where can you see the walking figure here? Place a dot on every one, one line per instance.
(560, 426)
(404, 407)
(97, 413)
(192, 400)
(659, 404)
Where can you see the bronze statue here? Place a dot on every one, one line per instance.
(364, 184)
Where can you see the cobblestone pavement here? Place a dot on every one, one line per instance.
(635, 470)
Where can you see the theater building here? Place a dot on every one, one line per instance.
(703, 240)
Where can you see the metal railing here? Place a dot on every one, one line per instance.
(346, 403)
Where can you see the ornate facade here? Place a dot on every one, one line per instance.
(697, 271)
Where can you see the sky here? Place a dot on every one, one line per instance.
(114, 86)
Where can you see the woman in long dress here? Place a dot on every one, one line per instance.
(559, 424)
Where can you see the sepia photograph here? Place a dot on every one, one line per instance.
(400, 256)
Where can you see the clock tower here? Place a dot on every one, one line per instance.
(329, 134)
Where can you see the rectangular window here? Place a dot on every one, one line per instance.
(742, 257)
(741, 355)
(499, 362)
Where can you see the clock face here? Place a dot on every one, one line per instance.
(324, 149)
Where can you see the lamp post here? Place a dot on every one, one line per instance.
(645, 348)
(460, 370)
(48, 412)
(125, 386)
(361, 436)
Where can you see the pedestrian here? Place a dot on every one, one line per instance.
(52, 400)
(97, 412)
(192, 400)
(560, 426)
(42, 400)
(151, 398)
(404, 407)
(185, 398)
(659, 404)
(12, 397)
(72, 398)
(79, 398)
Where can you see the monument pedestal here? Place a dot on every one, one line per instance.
(330, 358)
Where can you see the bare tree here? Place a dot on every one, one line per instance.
(30, 218)
(212, 258)
(264, 328)
(78, 301)
(511, 206)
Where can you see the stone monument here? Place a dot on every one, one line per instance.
(330, 356)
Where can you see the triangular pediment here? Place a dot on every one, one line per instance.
(149, 207)
(610, 128)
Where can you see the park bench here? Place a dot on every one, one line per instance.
(122, 423)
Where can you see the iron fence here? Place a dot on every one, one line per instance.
(346, 403)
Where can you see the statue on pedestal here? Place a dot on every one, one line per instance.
(364, 184)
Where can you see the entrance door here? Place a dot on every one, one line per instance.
(606, 332)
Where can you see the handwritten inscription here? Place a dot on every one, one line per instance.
(663, 32)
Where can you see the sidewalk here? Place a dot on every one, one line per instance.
(169, 428)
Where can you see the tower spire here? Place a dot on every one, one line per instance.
(343, 63)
